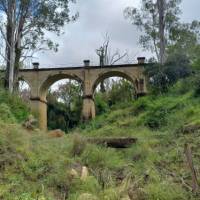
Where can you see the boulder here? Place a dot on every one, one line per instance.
(74, 173)
(84, 173)
(56, 133)
(30, 123)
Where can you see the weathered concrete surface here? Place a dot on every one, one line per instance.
(89, 77)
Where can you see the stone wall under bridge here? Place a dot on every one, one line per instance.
(40, 80)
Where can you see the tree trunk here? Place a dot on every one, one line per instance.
(17, 67)
(188, 153)
(11, 44)
(161, 8)
(11, 68)
(8, 38)
(102, 87)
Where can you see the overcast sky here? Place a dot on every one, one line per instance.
(98, 17)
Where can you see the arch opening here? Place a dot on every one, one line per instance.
(51, 80)
(64, 104)
(113, 88)
(24, 90)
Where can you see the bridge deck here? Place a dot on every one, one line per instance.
(82, 67)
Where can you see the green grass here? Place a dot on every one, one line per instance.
(33, 166)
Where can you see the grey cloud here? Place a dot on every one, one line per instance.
(96, 18)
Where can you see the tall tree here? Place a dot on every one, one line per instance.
(161, 10)
(24, 26)
(157, 19)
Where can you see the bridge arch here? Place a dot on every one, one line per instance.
(40, 79)
(43, 90)
(50, 80)
(111, 74)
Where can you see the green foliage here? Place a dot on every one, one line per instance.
(12, 103)
(164, 191)
(79, 145)
(6, 114)
(99, 158)
(197, 85)
(48, 16)
(89, 186)
(162, 77)
(65, 106)
(156, 118)
(100, 104)
(146, 18)
(34, 166)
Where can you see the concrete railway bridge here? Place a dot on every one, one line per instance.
(40, 80)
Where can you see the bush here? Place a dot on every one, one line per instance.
(165, 191)
(197, 85)
(98, 158)
(100, 104)
(156, 118)
(162, 77)
(19, 109)
(5, 114)
(141, 105)
(79, 144)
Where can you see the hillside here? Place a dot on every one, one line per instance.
(35, 166)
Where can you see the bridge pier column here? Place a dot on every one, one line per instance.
(88, 111)
(39, 108)
(141, 87)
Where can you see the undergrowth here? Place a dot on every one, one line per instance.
(36, 167)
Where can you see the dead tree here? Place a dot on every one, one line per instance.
(106, 57)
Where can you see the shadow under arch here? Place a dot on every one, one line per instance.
(53, 79)
(111, 74)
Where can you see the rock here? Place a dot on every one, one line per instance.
(136, 194)
(84, 173)
(56, 133)
(126, 198)
(87, 196)
(30, 123)
(74, 173)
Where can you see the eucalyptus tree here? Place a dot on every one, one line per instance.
(24, 27)
(156, 19)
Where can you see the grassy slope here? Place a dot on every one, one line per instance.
(33, 166)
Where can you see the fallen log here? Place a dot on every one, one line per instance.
(122, 142)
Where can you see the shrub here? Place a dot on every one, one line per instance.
(141, 105)
(156, 118)
(98, 158)
(165, 191)
(19, 109)
(5, 114)
(197, 85)
(79, 144)
(100, 104)
(162, 77)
